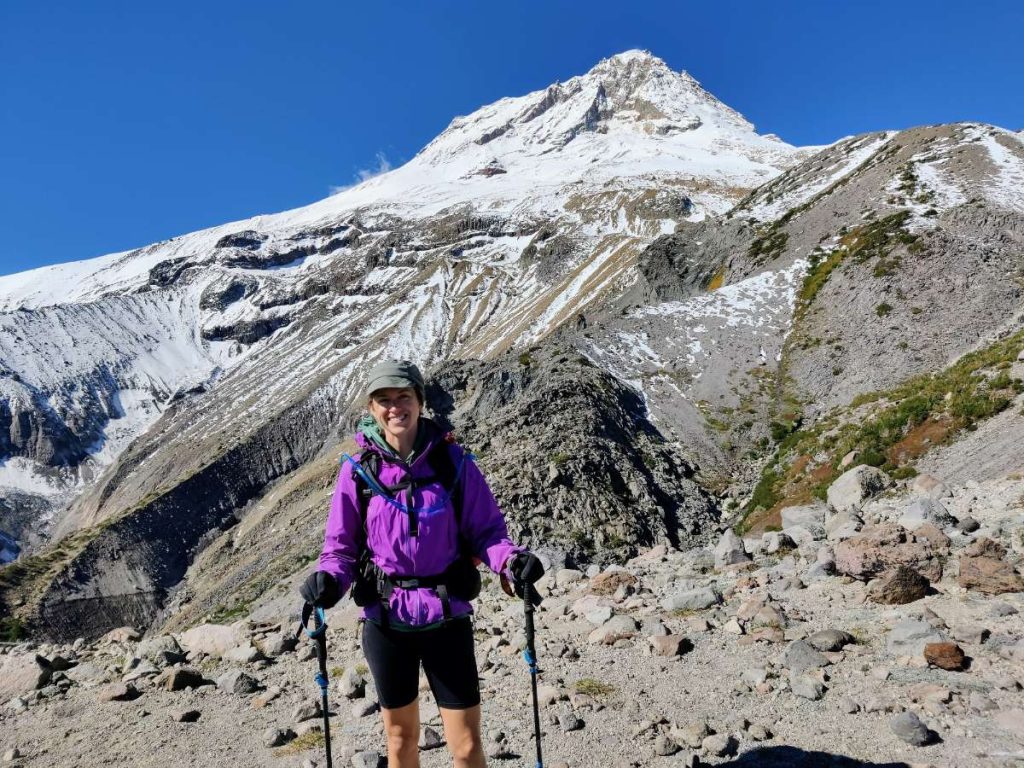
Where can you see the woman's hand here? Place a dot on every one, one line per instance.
(320, 589)
(526, 568)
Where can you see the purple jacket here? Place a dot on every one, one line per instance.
(432, 550)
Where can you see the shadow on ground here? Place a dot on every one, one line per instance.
(794, 757)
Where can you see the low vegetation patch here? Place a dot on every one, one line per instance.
(591, 687)
(889, 429)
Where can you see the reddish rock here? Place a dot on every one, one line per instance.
(117, 692)
(899, 587)
(949, 656)
(983, 569)
(884, 548)
(937, 539)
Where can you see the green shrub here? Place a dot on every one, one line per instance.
(883, 309)
(12, 630)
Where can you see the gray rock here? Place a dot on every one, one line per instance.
(776, 541)
(364, 708)
(275, 737)
(910, 636)
(843, 525)
(807, 687)
(908, 727)
(156, 648)
(616, 628)
(967, 524)
(568, 721)
(653, 627)
(830, 640)
(799, 656)
(810, 517)
(351, 685)
(848, 706)
(692, 734)
(307, 710)
(719, 744)
(243, 654)
(1001, 608)
(20, 674)
(855, 486)
(185, 715)
(692, 600)
(925, 509)
(430, 739)
(11, 755)
(117, 692)
(278, 644)
(665, 746)
(730, 550)
(368, 759)
(238, 683)
(599, 614)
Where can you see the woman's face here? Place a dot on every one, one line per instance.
(397, 412)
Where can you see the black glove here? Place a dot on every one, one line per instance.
(320, 589)
(526, 568)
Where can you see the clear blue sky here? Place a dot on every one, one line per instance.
(124, 123)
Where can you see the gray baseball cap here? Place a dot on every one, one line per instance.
(395, 373)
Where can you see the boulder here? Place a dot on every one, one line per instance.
(156, 648)
(910, 636)
(829, 640)
(214, 639)
(811, 517)
(929, 485)
(925, 509)
(855, 486)
(800, 656)
(983, 569)
(899, 586)
(692, 600)
(21, 674)
(776, 541)
(616, 628)
(842, 525)
(730, 551)
(121, 635)
(885, 547)
(807, 687)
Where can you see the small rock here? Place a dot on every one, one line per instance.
(968, 525)
(807, 687)
(692, 734)
(180, 679)
(670, 645)
(730, 550)
(799, 656)
(617, 628)
(898, 587)
(307, 710)
(848, 705)
(429, 738)
(259, 702)
(830, 640)
(948, 656)
(908, 727)
(275, 737)
(758, 732)
(664, 746)
(11, 755)
(117, 692)
(719, 744)
(351, 685)
(1002, 609)
(982, 568)
(692, 600)
(364, 707)
(185, 715)
(238, 683)
(569, 722)
(368, 759)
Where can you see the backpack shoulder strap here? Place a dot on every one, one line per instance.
(369, 461)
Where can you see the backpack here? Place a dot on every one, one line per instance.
(372, 585)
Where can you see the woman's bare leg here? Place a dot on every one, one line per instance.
(462, 732)
(402, 728)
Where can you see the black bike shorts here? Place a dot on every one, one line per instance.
(446, 652)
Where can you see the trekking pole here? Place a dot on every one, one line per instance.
(319, 636)
(530, 654)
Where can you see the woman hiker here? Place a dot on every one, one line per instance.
(407, 518)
